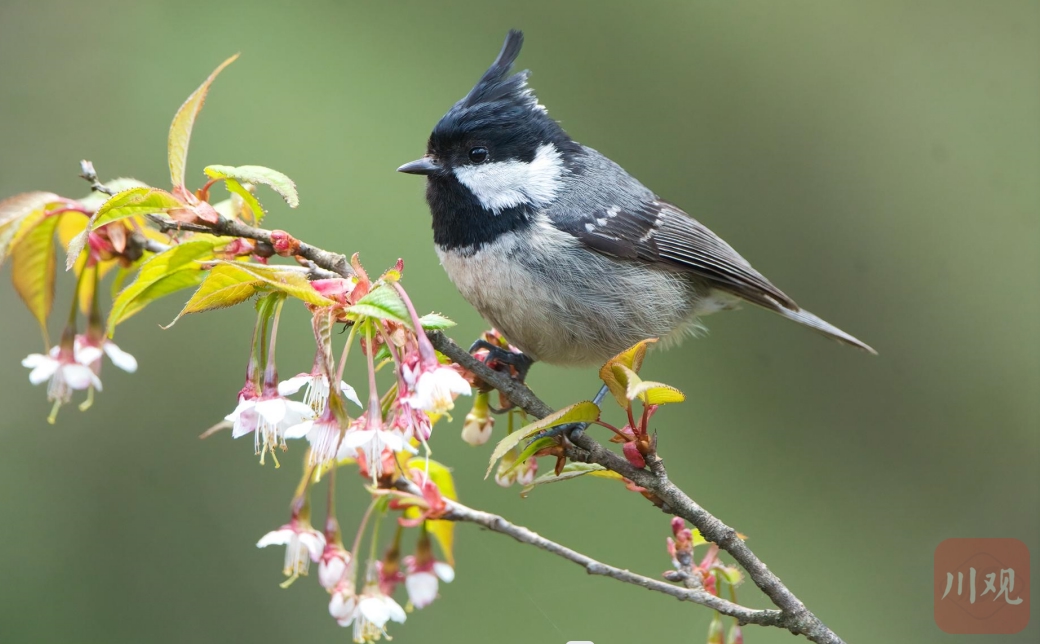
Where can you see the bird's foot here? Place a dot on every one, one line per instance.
(503, 359)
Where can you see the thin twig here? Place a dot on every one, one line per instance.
(459, 512)
(87, 172)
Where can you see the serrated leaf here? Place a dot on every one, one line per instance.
(383, 303)
(528, 452)
(33, 267)
(15, 211)
(163, 274)
(94, 200)
(654, 393)
(435, 322)
(280, 278)
(583, 412)
(247, 197)
(632, 359)
(223, 287)
(571, 471)
(129, 203)
(443, 531)
(258, 174)
(183, 121)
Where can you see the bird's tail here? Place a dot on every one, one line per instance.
(802, 316)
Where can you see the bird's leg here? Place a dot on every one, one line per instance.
(571, 429)
(513, 363)
(501, 359)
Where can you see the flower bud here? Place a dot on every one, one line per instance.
(476, 430)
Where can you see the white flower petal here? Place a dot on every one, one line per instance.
(34, 360)
(375, 610)
(314, 542)
(43, 369)
(87, 355)
(342, 607)
(349, 392)
(294, 384)
(272, 409)
(120, 358)
(331, 572)
(357, 438)
(397, 613)
(422, 588)
(296, 411)
(444, 571)
(79, 376)
(299, 430)
(280, 537)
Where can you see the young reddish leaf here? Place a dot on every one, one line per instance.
(15, 211)
(129, 203)
(223, 287)
(258, 174)
(632, 359)
(443, 531)
(32, 269)
(183, 121)
(583, 412)
(163, 274)
(280, 278)
(383, 303)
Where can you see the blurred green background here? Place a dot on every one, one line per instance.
(877, 160)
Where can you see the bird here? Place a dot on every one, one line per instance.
(559, 248)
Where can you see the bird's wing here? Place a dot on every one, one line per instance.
(660, 232)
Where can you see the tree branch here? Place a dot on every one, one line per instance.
(793, 615)
(495, 523)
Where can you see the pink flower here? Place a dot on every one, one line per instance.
(422, 580)
(119, 358)
(302, 542)
(65, 372)
(434, 389)
(369, 438)
(334, 567)
(268, 417)
(476, 429)
(317, 393)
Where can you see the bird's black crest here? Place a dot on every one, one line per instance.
(501, 107)
(495, 85)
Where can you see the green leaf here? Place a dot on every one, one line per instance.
(383, 303)
(571, 471)
(654, 393)
(95, 199)
(528, 452)
(135, 201)
(183, 121)
(632, 359)
(280, 278)
(223, 287)
(32, 269)
(443, 531)
(583, 412)
(16, 211)
(163, 274)
(435, 322)
(248, 197)
(258, 174)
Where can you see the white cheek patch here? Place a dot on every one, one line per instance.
(505, 184)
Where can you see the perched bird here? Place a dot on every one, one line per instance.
(559, 248)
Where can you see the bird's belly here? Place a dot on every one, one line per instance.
(565, 305)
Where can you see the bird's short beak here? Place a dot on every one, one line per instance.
(425, 165)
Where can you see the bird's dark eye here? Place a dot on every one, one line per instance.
(478, 155)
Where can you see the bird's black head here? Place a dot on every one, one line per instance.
(494, 158)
